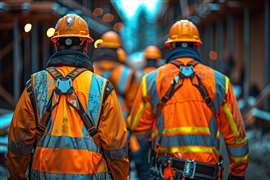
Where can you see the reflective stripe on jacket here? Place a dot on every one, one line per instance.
(187, 128)
(66, 151)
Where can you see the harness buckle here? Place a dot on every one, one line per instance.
(189, 169)
(64, 85)
(186, 71)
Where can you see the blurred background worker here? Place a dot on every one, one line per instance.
(110, 62)
(152, 56)
(68, 117)
(139, 147)
(187, 106)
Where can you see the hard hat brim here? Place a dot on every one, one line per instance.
(109, 45)
(170, 41)
(87, 37)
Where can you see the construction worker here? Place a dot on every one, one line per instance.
(152, 56)
(139, 147)
(109, 63)
(185, 107)
(68, 122)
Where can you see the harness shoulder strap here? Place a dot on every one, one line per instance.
(176, 83)
(29, 89)
(107, 91)
(72, 75)
(64, 86)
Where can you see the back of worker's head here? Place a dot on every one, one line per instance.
(183, 34)
(110, 39)
(71, 32)
(152, 55)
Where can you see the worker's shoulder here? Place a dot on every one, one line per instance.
(206, 71)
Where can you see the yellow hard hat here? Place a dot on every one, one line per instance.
(183, 31)
(152, 52)
(122, 56)
(110, 39)
(71, 25)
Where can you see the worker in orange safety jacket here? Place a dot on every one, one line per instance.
(68, 122)
(139, 147)
(185, 107)
(152, 56)
(110, 62)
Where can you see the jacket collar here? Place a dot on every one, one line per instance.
(70, 58)
(183, 53)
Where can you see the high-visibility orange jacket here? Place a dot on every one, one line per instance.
(122, 78)
(149, 69)
(66, 150)
(186, 127)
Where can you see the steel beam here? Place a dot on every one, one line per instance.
(266, 49)
(247, 54)
(34, 48)
(17, 61)
(229, 29)
(45, 46)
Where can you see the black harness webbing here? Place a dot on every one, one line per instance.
(186, 71)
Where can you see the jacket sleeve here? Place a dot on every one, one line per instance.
(141, 119)
(233, 131)
(112, 135)
(21, 138)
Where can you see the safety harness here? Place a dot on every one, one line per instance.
(186, 72)
(64, 87)
(187, 168)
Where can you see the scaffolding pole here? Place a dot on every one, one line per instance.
(17, 62)
(45, 46)
(266, 49)
(230, 43)
(219, 45)
(34, 48)
(27, 58)
(246, 34)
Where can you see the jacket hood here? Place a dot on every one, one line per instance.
(70, 58)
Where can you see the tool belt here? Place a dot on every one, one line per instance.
(187, 168)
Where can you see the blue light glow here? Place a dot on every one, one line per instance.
(128, 9)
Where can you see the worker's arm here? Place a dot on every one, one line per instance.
(142, 118)
(21, 138)
(233, 131)
(112, 136)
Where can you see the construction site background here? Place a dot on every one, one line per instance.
(235, 35)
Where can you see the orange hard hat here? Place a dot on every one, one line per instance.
(122, 56)
(71, 25)
(183, 31)
(110, 39)
(152, 52)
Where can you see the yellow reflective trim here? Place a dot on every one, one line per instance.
(231, 120)
(186, 130)
(239, 141)
(237, 159)
(227, 81)
(188, 149)
(138, 115)
(218, 134)
(144, 86)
